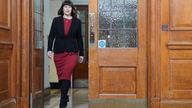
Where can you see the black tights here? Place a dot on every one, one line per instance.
(64, 87)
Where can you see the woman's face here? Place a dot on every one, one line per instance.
(67, 10)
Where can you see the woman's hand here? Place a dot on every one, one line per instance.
(81, 59)
(50, 54)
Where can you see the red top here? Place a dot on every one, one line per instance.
(67, 24)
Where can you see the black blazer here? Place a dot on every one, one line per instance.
(70, 43)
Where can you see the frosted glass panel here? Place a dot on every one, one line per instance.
(38, 26)
(37, 5)
(119, 38)
(103, 34)
(117, 20)
(117, 4)
(131, 4)
(131, 19)
(104, 20)
(118, 23)
(104, 5)
(130, 38)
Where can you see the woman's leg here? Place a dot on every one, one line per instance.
(64, 86)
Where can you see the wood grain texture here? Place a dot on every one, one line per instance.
(93, 61)
(117, 80)
(117, 57)
(36, 55)
(8, 47)
(154, 53)
(5, 17)
(176, 46)
(180, 17)
(110, 67)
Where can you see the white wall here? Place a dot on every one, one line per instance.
(46, 32)
(54, 7)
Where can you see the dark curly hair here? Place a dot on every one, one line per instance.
(67, 2)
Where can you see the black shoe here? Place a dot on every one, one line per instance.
(63, 106)
(63, 101)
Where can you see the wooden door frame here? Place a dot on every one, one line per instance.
(153, 52)
(154, 29)
(23, 18)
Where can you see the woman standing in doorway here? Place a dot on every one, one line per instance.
(66, 35)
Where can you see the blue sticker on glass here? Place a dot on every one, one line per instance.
(101, 43)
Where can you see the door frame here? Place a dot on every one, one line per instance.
(23, 18)
(153, 53)
(154, 33)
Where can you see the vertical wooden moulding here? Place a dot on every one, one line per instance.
(23, 74)
(93, 62)
(153, 53)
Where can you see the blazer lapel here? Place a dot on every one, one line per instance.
(61, 25)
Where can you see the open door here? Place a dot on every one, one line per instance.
(80, 75)
(117, 52)
(36, 55)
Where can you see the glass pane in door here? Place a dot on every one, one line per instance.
(118, 23)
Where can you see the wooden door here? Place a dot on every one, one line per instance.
(80, 75)
(18, 57)
(119, 70)
(36, 54)
(14, 54)
(8, 58)
(176, 54)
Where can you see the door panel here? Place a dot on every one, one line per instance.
(5, 14)
(36, 55)
(176, 51)
(110, 85)
(179, 16)
(106, 57)
(119, 70)
(8, 37)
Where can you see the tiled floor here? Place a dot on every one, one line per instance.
(78, 99)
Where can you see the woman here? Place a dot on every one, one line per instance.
(66, 35)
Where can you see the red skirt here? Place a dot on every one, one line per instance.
(65, 64)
